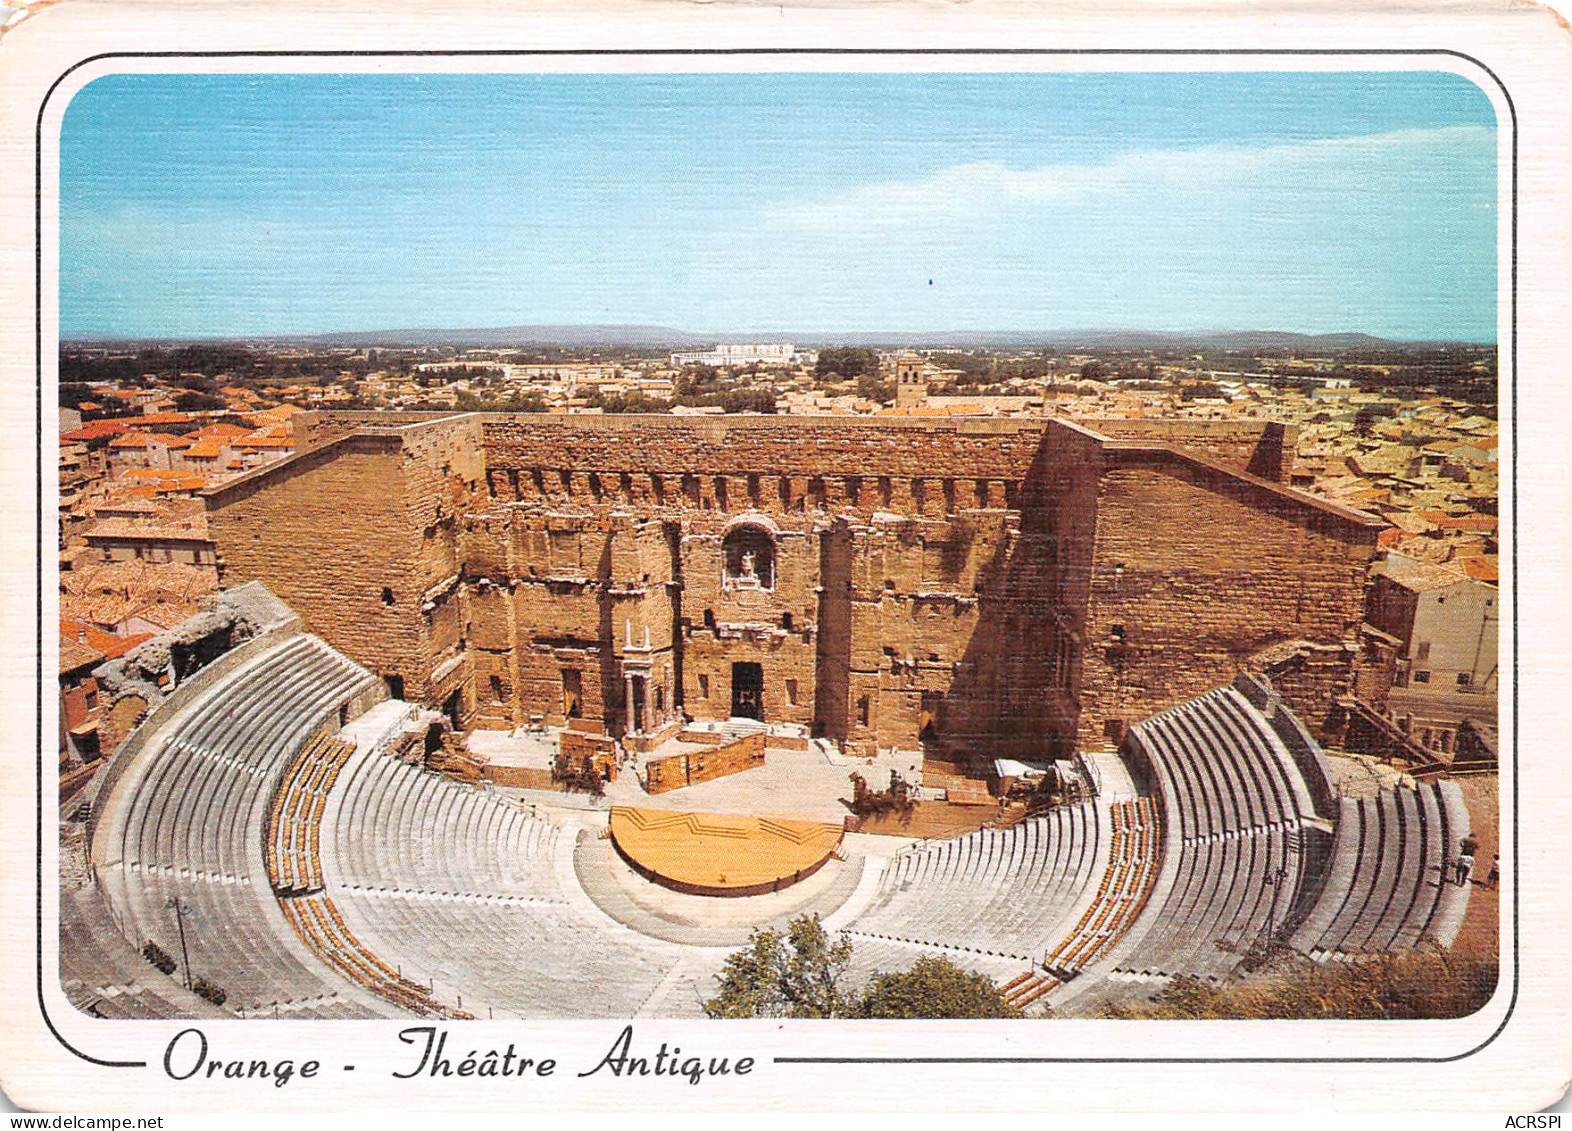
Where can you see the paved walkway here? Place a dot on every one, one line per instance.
(1117, 784)
(800, 784)
(1359, 775)
(514, 748)
(1480, 934)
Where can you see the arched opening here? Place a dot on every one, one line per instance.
(387, 595)
(749, 553)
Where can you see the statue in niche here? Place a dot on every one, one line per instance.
(747, 567)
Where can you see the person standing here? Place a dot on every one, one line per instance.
(1493, 878)
(1465, 848)
(1465, 868)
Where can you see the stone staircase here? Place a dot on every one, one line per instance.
(735, 728)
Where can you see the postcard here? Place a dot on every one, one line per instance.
(793, 559)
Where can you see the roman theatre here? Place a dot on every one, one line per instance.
(540, 716)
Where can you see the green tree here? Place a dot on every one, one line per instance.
(630, 402)
(196, 382)
(795, 974)
(869, 387)
(698, 378)
(198, 402)
(1367, 416)
(846, 361)
(1201, 389)
(934, 987)
(73, 393)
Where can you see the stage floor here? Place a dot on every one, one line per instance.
(717, 854)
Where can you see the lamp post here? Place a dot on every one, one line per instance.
(1275, 882)
(181, 911)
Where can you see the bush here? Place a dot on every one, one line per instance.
(1418, 985)
(934, 987)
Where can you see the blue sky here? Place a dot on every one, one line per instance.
(245, 204)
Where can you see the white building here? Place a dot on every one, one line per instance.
(1448, 622)
(746, 353)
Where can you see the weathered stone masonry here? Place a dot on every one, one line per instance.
(975, 589)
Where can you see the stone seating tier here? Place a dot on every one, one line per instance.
(1387, 886)
(995, 891)
(192, 819)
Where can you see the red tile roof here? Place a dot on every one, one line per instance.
(74, 656)
(133, 440)
(96, 430)
(1473, 523)
(164, 418)
(210, 448)
(1482, 569)
(218, 431)
(91, 636)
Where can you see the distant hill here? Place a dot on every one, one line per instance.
(502, 337)
(666, 337)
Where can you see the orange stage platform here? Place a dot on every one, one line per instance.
(713, 854)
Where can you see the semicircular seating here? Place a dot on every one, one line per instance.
(1239, 806)
(1387, 888)
(475, 899)
(1259, 849)
(182, 831)
(318, 875)
(995, 892)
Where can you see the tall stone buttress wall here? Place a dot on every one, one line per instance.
(1194, 572)
(358, 536)
(326, 532)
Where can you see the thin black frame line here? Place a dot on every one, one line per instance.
(789, 51)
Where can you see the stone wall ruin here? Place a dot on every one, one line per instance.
(973, 589)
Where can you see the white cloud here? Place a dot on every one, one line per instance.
(961, 191)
